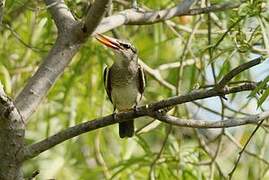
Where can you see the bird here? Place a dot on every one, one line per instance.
(124, 81)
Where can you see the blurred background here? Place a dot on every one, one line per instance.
(179, 55)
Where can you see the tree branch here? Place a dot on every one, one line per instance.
(133, 17)
(175, 65)
(232, 122)
(8, 111)
(94, 15)
(63, 18)
(66, 46)
(51, 68)
(238, 145)
(2, 5)
(17, 37)
(228, 77)
(37, 148)
(213, 8)
(12, 136)
(244, 147)
(157, 76)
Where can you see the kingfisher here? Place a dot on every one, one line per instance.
(124, 81)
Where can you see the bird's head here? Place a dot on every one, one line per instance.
(124, 51)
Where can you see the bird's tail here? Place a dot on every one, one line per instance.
(126, 129)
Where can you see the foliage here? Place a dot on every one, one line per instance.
(237, 35)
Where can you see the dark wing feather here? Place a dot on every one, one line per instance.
(107, 82)
(141, 80)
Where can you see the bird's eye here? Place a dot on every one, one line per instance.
(126, 46)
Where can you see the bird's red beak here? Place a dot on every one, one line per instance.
(108, 41)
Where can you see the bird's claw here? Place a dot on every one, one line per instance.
(114, 115)
(135, 109)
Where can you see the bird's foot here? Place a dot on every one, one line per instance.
(135, 109)
(114, 115)
(222, 90)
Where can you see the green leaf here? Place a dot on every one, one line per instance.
(143, 144)
(264, 97)
(259, 87)
(6, 78)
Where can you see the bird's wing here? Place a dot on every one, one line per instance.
(141, 80)
(107, 82)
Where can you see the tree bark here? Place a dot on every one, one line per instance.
(11, 139)
(10, 165)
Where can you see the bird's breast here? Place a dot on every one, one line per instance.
(124, 91)
(123, 75)
(125, 97)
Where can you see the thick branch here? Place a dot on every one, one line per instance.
(37, 148)
(8, 111)
(11, 138)
(60, 13)
(133, 17)
(94, 15)
(48, 72)
(65, 47)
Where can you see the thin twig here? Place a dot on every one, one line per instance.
(173, 65)
(243, 149)
(17, 36)
(253, 119)
(213, 8)
(99, 157)
(212, 64)
(209, 109)
(226, 33)
(204, 146)
(228, 77)
(151, 171)
(183, 56)
(148, 126)
(157, 76)
(229, 83)
(232, 139)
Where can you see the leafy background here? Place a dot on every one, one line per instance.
(158, 150)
